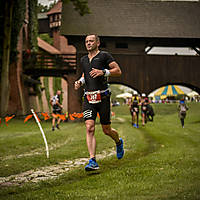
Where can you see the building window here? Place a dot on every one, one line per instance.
(121, 45)
(51, 18)
(56, 17)
(59, 15)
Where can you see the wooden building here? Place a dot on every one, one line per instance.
(130, 28)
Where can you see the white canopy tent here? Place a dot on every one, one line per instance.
(124, 95)
(192, 94)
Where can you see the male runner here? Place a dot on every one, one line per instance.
(97, 66)
(57, 108)
(134, 109)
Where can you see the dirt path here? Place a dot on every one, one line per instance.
(49, 172)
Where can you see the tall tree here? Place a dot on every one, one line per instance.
(7, 28)
(9, 37)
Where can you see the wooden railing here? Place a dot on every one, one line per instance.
(39, 64)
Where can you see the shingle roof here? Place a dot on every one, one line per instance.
(57, 8)
(134, 18)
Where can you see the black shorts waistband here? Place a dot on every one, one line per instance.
(103, 92)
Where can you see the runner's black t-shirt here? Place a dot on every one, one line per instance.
(100, 61)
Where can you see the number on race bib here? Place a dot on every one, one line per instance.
(94, 97)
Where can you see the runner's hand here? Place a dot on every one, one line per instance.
(96, 72)
(77, 85)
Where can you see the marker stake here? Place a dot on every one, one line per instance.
(45, 141)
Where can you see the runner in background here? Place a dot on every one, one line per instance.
(182, 108)
(134, 109)
(57, 109)
(144, 102)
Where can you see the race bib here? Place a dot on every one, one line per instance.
(94, 97)
(136, 109)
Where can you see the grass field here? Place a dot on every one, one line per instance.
(162, 160)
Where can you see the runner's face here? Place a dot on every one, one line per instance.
(91, 43)
(59, 92)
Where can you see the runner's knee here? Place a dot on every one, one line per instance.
(90, 128)
(106, 129)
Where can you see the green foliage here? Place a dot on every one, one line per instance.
(42, 8)
(46, 38)
(17, 22)
(46, 85)
(39, 94)
(33, 25)
(1, 30)
(57, 85)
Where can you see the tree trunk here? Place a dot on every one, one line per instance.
(8, 12)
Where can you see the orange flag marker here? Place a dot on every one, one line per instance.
(8, 119)
(46, 116)
(62, 117)
(27, 118)
(71, 117)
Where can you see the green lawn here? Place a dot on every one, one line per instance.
(162, 160)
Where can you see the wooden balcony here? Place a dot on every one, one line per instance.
(37, 64)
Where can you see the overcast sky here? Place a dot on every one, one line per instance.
(45, 2)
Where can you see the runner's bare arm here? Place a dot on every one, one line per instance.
(79, 82)
(57, 102)
(113, 71)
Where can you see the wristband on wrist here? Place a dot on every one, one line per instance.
(106, 72)
(82, 80)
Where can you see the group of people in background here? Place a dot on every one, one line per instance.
(137, 103)
(147, 112)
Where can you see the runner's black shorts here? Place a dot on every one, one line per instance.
(58, 111)
(103, 108)
(134, 110)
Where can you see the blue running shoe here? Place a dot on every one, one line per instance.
(134, 125)
(120, 149)
(91, 166)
